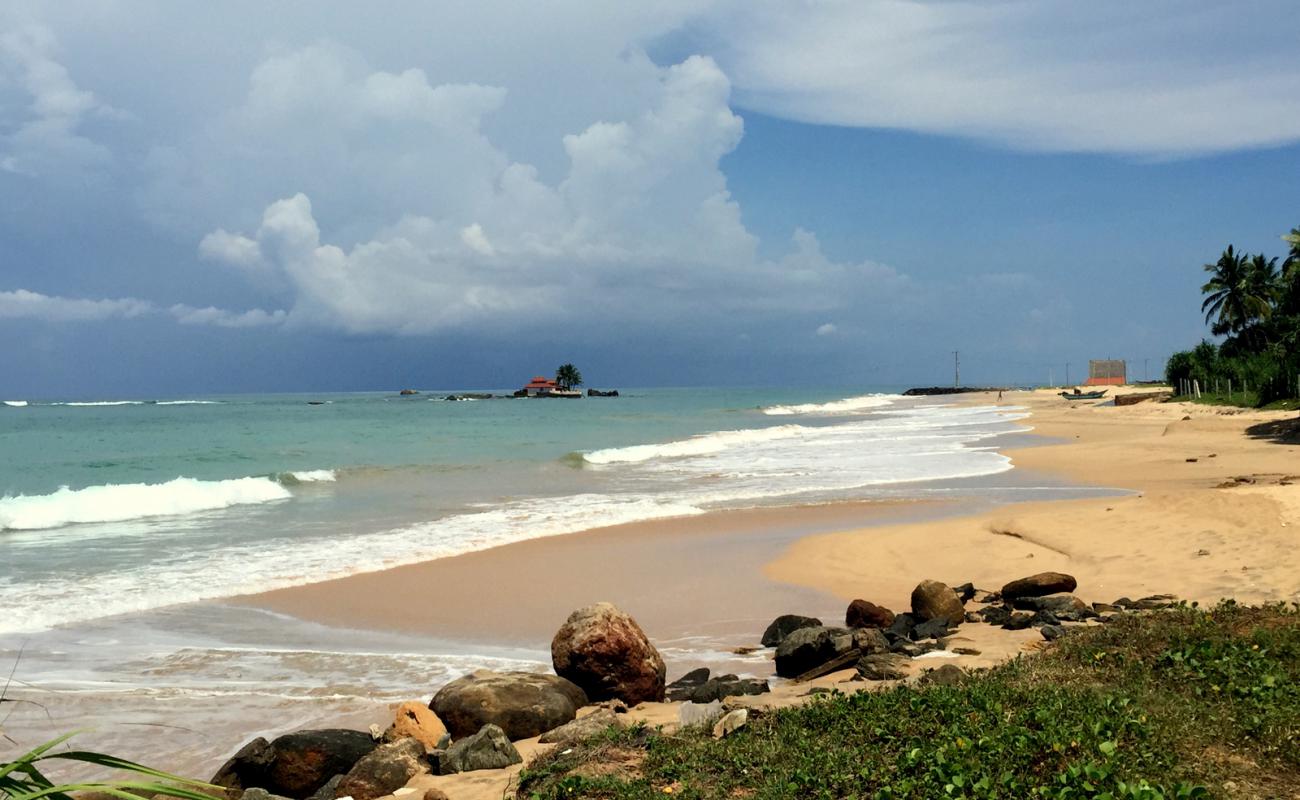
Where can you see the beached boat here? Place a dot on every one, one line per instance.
(1083, 395)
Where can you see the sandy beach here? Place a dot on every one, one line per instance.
(1210, 508)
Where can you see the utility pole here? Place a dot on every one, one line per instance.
(1067, 373)
(1146, 374)
(956, 370)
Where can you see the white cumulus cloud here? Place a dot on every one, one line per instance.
(24, 304)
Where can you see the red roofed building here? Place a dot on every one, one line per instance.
(540, 385)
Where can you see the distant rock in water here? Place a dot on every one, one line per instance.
(599, 393)
(926, 391)
(407, 392)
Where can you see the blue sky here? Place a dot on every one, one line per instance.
(203, 199)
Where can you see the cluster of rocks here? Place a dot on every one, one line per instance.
(599, 654)
(879, 642)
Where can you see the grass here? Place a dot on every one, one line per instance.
(1180, 703)
(24, 777)
(1239, 399)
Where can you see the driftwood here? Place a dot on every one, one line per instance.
(834, 664)
(1133, 399)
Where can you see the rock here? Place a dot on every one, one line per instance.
(865, 614)
(414, 720)
(692, 715)
(1018, 621)
(905, 647)
(1044, 618)
(435, 794)
(1104, 608)
(259, 794)
(902, 626)
(994, 615)
(966, 651)
(936, 628)
(785, 625)
(1064, 606)
(248, 768)
(681, 688)
(582, 727)
(408, 392)
(304, 761)
(604, 651)
(599, 393)
(882, 667)
(965, 592)
(932, 600)
(727, 686)
(808, 648)
(731, 722)
(947, 675)
(1149, 603)
(1039, 585)
(329, 791)
(490, 748)
(1052, 632)
(385, 769)
(523, 704)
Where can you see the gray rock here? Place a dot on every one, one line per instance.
(902, 627)
(583, 727)
(1065, 606)
(295, 765)
(808, 648)
(994, 615)
(387, 768)
(1052, 632)
(947, 675)
(682, 688)
(1043, 583)
(936, 628)
(259, 794)
(490, 748)
(1018, 621)
(329, 791)
(883, 667)
(523, 704)
(785, 625)
(1042, 618)
(727, 686)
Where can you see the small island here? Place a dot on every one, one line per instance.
(564, 384)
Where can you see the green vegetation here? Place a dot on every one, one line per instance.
(568, 376)
(23, 778)
(1255, 305)
(1180, 703)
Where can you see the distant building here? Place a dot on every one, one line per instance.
(540, 385)
(1111, 372)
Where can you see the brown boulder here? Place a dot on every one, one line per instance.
(414, 720)
(604, 651)
(523, 704)
(865, 614)
(934, 600)
(304, 761)
(1039, 585)
(384, 770)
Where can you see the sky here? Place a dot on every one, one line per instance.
(308, 196)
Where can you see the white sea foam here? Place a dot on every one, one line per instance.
(120, 502)
(848, 405)
(16, 403)
(695, 446)
(314, 476)
(272, 564)
(188, 403)
(102, 403)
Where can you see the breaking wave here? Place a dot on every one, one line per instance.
(846, 406)
(702, 445)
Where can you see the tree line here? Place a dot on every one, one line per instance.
(1254, 303)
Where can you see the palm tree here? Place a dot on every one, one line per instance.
(568, 376)
(1239, 291)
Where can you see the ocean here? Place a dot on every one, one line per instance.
(123, 523)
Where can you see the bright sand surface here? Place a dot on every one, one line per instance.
(1188, 528)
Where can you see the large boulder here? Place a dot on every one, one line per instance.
(604, 651)
(490, 748)
(294, 765)
(1039, 585)
(807, 648)
(414, 720)
(883, 667)
(384, 770)
(523, 704)
(933, 599)
(865, 614)
(785, 625)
